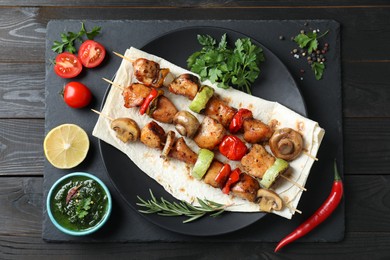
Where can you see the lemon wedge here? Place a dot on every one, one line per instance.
(66, 146)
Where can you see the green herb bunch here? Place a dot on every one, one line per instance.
(238, 67)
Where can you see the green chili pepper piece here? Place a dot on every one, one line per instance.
(273, 172)
(205, 157)
(201, 99)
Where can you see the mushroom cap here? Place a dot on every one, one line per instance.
(186, 123)
(269, 200)
(126, 129)
(286, 143)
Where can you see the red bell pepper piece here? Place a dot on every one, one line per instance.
(233, 178)
(152, 95)
(238, 119)
(232, 147)
(223, 175)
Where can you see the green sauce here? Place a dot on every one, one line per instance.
(79, 203)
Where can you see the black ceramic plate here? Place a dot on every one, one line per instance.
(275, 83)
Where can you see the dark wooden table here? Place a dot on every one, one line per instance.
(365, 61)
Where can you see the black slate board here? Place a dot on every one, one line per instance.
(323, 102)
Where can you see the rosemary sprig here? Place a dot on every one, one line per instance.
(183, 208)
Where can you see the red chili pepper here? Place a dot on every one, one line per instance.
(153, 94)
(233, 178)
(232, 147)
(223, 175)
(320, 215)
(238, 120)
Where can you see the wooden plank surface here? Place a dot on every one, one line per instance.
(365, 72)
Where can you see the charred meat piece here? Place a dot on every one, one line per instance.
(246, 187)
(182, 152)
(257, 161)
(220, 111)
(146, 71)
(165, 110)
(185, 85)
(256, 131)
(210, 134)
(153, 135)
(212, 172)
(135, 94)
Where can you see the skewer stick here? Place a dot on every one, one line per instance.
(311, 156)
(104, 115)
(114, 84)
(292, 208)
(123, 57)
(293, 182)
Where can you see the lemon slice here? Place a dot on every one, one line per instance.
(66, 146)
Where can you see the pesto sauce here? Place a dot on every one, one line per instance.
(85, 209)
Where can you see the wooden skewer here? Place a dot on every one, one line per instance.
(293, 182)
(292, 208)
(311, 156)
(114, 84)
(104, 115)
(123, 57)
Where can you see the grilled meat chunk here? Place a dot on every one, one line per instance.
(257, 161)
(153, 135)
(212, 172)
(256, 131)
(210, 134)
(165, 110)
(146, 71)
(135, 94)
(246, 187)
(186, 85)
(182, 152)
(220, 111)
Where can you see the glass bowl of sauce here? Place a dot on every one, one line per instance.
(79, 204)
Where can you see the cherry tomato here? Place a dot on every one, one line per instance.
(77, 95)
(232, 147)
(238, 120)
(67, 65)
(91, 53)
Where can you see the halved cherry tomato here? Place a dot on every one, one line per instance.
(233, 178)
(91, 53)
(67, 65)
(238, 120)
(232, 147)
(77, 95)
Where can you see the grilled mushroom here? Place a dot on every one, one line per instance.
(286, 144)
(170, 140)
(126, 129)
(186, 123)
(269, 200)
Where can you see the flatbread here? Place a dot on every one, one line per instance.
(174, 175)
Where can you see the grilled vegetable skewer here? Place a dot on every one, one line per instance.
(209, 135)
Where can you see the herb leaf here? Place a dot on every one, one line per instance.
(318, 69)
(166, 208)
(83, 206)
(238, 67)
(68, 39)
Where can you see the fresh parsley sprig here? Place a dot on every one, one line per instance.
(310, 42)
(166, 208)
(68, 39)
(238, 67)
